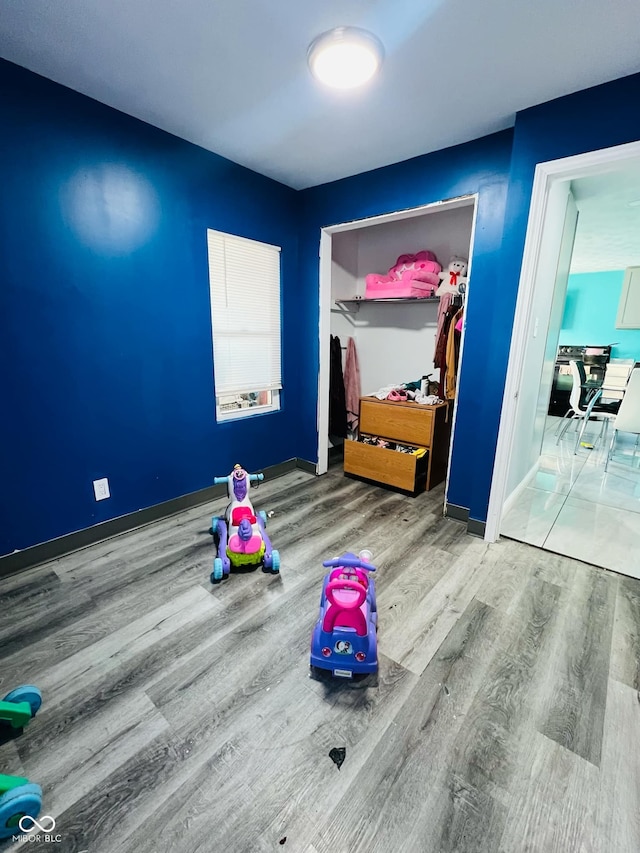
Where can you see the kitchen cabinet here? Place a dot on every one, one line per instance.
(629, 305)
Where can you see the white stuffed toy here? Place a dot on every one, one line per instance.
(453, 276)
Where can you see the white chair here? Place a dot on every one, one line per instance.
(616, 376)
(628, 417)
(583, 407)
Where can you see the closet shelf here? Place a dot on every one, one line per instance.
(393, 300)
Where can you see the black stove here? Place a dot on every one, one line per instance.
(569, 353)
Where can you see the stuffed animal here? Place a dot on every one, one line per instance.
(413, 275)
(453, 276)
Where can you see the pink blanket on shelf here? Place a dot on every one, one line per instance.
(413, 275)
(352, 385)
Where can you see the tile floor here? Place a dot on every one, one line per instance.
(573, 507)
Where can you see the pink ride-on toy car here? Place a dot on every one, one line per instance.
(240, 535)
(344, 640)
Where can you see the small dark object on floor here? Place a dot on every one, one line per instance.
(338, 755)
(282, 840)
(8, 733)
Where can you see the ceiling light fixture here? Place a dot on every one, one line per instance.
(345, 57)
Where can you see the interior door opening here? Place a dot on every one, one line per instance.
(551, 487)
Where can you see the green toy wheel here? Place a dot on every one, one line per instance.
(25, 801)
(26, 693)
(218, 572)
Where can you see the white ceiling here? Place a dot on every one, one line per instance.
(608, 233)
(231, 75)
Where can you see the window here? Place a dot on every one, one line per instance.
(244, 282)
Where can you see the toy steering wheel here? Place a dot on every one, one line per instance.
(348, 586)
(348, 574)
(349, 563)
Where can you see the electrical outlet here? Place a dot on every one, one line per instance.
(101, 489)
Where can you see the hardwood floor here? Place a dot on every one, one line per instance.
(179, 716)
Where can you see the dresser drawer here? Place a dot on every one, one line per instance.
(412, 424)
(402, 470)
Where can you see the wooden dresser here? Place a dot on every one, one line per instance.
(427, 427)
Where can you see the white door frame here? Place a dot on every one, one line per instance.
(324, 324)
(546, 174)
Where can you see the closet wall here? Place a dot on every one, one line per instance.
(395, 341)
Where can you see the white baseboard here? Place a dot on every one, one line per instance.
(519, 489)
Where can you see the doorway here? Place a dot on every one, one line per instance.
(531, 463)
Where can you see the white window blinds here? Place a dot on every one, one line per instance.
(244, 277)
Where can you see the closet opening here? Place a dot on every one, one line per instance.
(394, 338)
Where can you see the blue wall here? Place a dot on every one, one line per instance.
(590, 312)
(595, 118)
(477, 167)
(106, 346)
(105, 351)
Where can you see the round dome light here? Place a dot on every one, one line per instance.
(345, 58)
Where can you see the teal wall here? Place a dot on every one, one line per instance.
(590, 314)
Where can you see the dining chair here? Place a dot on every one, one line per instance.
(584, 404)
(628, 417)
(579, 396)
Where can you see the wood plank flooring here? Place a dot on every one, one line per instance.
(179, 716)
